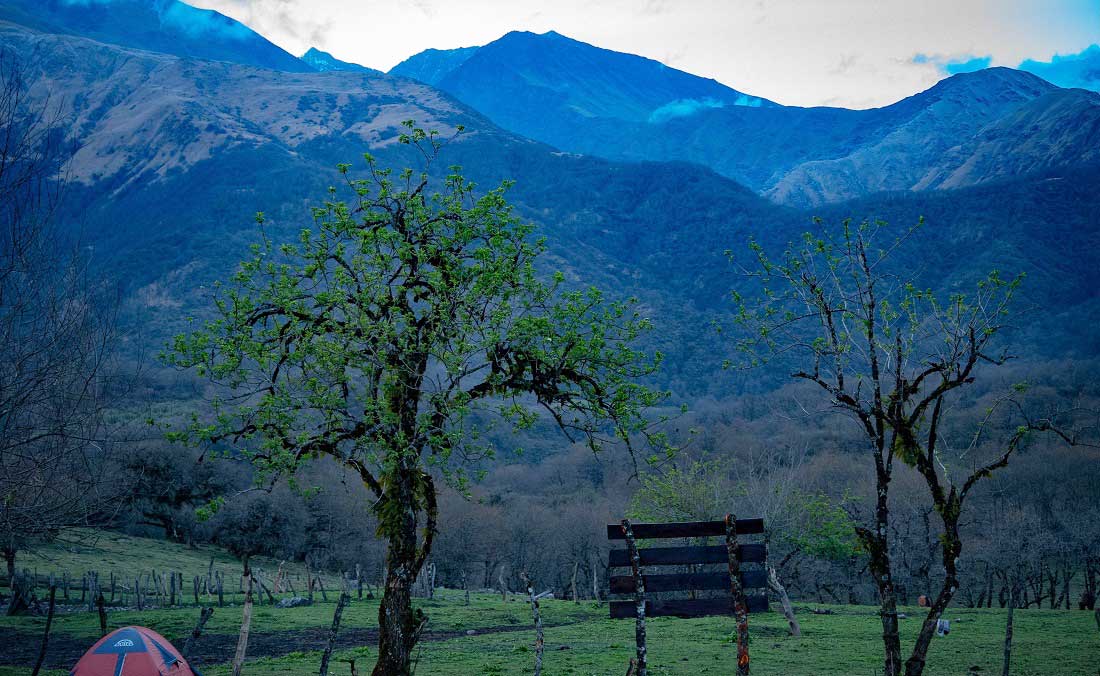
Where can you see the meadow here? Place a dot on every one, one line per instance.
(491, 636)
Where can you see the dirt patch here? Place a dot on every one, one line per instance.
(20, 648)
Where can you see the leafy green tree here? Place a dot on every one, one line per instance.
(391, 334)
(700, 492)
(895, 358)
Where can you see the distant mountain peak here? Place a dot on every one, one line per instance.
(324, 61)
(535, 73)
(432, 65)
(995, 76)
(987, 85)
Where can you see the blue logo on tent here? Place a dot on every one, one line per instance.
(121, 642)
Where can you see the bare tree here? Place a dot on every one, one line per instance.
(894, 358)
(56, 336)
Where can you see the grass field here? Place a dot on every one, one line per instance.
(107, 552)
(580, 639)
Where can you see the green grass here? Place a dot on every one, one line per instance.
(845, 643)
(581, 640)
(106, 552)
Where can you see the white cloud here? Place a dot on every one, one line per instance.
(807, 52)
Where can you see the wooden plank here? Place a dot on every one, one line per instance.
(750, 579)
(678, 556)
(686, 607)
(687, 529)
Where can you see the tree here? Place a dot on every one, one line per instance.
(56, 340)
(262, 522)
(391, 336)
(893, 357)
(166, 488)
(765, 485)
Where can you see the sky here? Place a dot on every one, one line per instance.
(851, 53)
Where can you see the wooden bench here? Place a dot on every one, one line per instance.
(730, 577)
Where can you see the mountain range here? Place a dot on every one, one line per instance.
(181, 141)
(968, 129)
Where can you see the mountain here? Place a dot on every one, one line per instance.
(550, 79)
(166, 26)
(941, 138)
(583, 99)
(432, 65)
(175, 155)
(323, 61)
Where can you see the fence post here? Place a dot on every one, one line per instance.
(639, 598)
(539, 642)
(102, 615)
(340, 604)
(45, 633)
(246, 622)
(737, 597)
(204, 616)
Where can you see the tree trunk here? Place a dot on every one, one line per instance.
(952, 547)
(573, 582)
(595, 585)
(399, 625)
(879, 567)
(309, 582)
(9, 559)
(785, 601)
(246, 622)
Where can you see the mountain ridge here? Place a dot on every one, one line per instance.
(537, 85)
(228, 140)
(165, 26)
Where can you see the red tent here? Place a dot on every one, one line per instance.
(133, 651)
